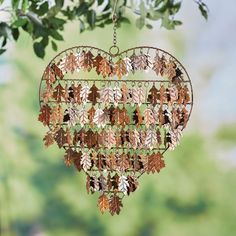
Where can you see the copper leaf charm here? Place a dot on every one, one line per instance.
(152, 97)
(91, 114)
(120, 68)
(115, 205)
(105, 68)
(44, 115)
(58, 93)
(57, 71)
(70, 63)
(148, 117)
(48, 139)
(96, 63)
(49, 76)
(138, 119)
(159, 65)
(103, 203)
(60, 137)
(155, 163)
(93, 94)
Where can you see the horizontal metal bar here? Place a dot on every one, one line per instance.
(64, 123)
(120, 103)
(113, 148)
(121, 81)
(112, 170)
(109, 124)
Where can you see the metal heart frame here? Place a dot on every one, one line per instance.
(182, 78)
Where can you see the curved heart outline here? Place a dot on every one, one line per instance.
(111, 56)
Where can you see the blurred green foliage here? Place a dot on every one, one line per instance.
(194, 195)
(227, 133)
(45, 21)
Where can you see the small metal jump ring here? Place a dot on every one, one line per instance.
(115, 50)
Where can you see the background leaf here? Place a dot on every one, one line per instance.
(41, 19)
(39, 49)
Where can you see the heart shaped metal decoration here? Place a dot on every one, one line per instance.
(115, 114)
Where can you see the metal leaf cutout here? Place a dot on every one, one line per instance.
(87, 64)
(105, 68)
(117, 95)
(93, 94)
(137, 96)
(159, 65)
(107, 95)
(49, 76)
(60, 137)
(155, 163)
(58, 93)
(74, 116)
(140, 62)
(48, 139)
(103, 203)
(151, 139)
(110, 138)
(96, 63)
(138, 118)
(153, 95)
(70, 63)
(44, 115)
(115, 205)
(86, 161)
(58, 72)
(148, 117)
(123, 184)
(84, 93)
(100, 118)
(82, 117)
(120, 68)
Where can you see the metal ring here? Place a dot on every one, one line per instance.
(116, 52)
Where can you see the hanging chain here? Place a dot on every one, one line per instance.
(114, 19)
(114, 49)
